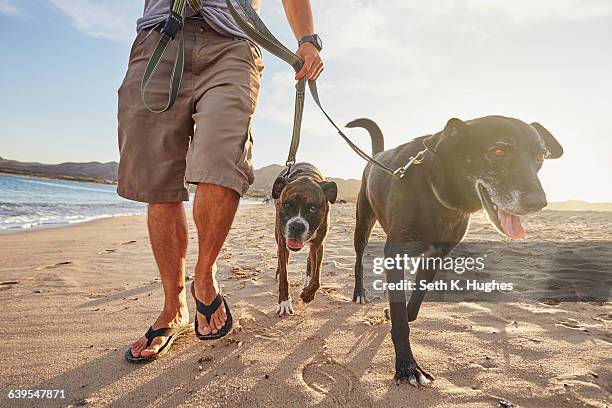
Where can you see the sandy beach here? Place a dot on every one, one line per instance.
(72, 299)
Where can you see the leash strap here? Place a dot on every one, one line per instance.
(259, 33)
(172, 28)
(262, 36)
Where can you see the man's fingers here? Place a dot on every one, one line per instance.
(316, 72)
(312, 71)
(305, 69)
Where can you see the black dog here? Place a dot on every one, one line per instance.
(489, 163)
(302, 198)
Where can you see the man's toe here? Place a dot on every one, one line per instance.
(204, 329)
(137, 347)
(216, 323)
(153, 348)
(213, 325)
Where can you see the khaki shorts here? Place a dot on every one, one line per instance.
(205, 137)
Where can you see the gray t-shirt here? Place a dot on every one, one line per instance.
(214, 12)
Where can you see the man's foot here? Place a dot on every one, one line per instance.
(206, 294)
(139, 347)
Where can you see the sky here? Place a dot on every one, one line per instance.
(408, 64)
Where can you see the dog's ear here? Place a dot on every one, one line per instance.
(553, 146)
(277, 188)
(438, 142)
(330, 189)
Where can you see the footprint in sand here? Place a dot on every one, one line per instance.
(246, 272)
(604, 317)
(57, 265)
(374, 320)
(6, 285)
(107, 251)
(570, 325)
(331, 379)
(128, 242)
(259, 330)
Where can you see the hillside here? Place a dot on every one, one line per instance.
(90, 171)
(265, 176)
(264, 179)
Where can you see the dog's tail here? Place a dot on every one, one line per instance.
(378, 140)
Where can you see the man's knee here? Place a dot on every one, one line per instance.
(218, 190)
(161, 209)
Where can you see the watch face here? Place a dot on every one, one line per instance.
(313, 39)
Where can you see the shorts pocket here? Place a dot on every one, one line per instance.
(255, 56)
(245, 162)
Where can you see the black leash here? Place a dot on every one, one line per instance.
(258, 32)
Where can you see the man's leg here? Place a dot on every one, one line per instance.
(214, 208)
(168, 235)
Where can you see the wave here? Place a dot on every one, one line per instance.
(24, 223)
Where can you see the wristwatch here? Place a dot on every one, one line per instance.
(314, 39)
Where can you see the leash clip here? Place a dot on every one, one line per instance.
(416, 160)
(173, 25)
(289, 164)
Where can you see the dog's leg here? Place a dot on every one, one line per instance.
(406, 367)
(308, 276)
(363, 228)
(426, 276)
(279, 241)
(316, 254)
(284, 306)
(418, 294)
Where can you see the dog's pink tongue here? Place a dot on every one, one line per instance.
(294, 244)
(511, 224)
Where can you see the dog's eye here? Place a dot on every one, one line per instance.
(287, 205)
(313, 209)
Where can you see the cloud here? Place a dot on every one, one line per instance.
(412, 65)
(527, 11)
(8, 8)
(111, 19)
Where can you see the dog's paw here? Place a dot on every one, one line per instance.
(359, 296)
(412, 373)
(308, 294)
(284, 308)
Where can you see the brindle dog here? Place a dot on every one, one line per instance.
(302, 198)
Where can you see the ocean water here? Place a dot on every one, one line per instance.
(28, 202)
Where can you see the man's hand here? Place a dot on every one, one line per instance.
(313, 64)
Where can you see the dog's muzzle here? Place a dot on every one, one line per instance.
(295, 233)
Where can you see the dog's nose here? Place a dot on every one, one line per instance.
(297, 228)
(534, 201)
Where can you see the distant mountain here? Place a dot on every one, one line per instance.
(265, 176)
(264, 179)
(91, 171)
(577, 205)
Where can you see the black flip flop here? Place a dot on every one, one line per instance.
(172, 333)
(207, 311)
